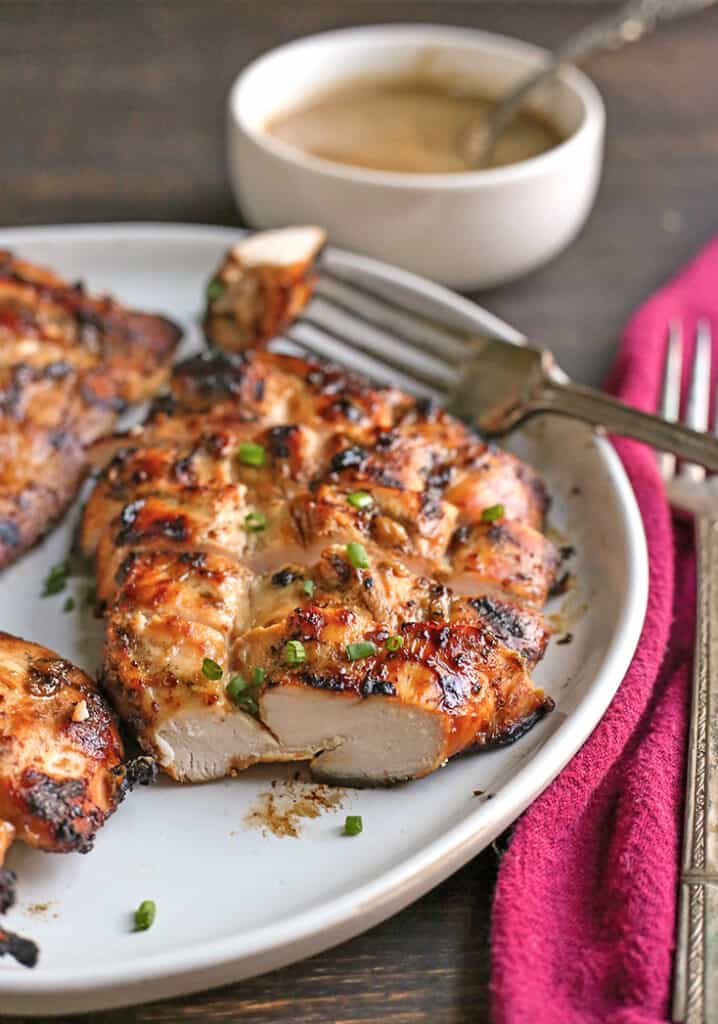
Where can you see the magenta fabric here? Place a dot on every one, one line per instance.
(585, 906)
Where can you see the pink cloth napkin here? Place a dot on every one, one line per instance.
(585, 906)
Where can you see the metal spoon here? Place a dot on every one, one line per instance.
(633, 21)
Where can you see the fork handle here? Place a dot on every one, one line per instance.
(695, 983)
(616, 418)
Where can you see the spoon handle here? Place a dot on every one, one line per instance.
(633, 21)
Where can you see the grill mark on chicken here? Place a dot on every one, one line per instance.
(461, 673)
(58, 803)
(516, 627)
(69, 363)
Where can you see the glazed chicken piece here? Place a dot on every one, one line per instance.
(265, 281)
(61, 760)
(175, 611)
(69, 362)
(300, 566)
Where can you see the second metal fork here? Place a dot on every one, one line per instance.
(696, 965)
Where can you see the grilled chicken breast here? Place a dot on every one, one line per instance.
(266, 279)
(61, 761)
(68, 363)
(297, 565)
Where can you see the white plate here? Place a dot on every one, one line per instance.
(231, 901)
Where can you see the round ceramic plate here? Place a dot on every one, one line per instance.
(233, 899)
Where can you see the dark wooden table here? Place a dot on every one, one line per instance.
(114, 111)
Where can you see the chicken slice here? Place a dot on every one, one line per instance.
(265, 281)
(279, 390)
(388, 716)
(505, 558)
(485, 476)
(156, 671)
(196, 586)
(390, 593)
(196, 519)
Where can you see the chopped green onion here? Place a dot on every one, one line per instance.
(243, 693)
(56, 579)
(215, 288)
(236, 687)
(255, 522)
(251, 454)
(492, 513)
(360, 649)
(145, 915)
(294, 652)
(360, 499)
(393, 643)
(211, 670)
(247, 702)
(357, 555)
(308, 587)
(353, 825)
(69, 605)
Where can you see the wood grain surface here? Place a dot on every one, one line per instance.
(114, 111)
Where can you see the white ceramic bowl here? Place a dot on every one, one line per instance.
(466, 230)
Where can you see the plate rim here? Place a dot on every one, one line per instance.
(266, 948)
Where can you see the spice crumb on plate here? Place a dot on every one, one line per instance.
(282, 809)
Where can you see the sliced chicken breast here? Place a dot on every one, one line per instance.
(297, 565)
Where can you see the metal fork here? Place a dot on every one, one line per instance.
(695, 996)
(488, 380)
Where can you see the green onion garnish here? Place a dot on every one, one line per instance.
(360, 649)
(236, 687)
(258, 675)
(308, 587)
(56, 579)
(357, 555)
(492, 513)
(393, 643)
(215, 288)
(353, 825)
(251, 454)
(360, 499)
(145, 915)
(294, 652)
(69, 605)
(255, 522)
(248, 702)
(245, 694)
(211, 670)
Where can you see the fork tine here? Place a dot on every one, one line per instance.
(671, 394)
(698, 405)
(339, 350)
(417, 331)
(348, 329)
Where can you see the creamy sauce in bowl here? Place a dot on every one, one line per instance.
(408, 125)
